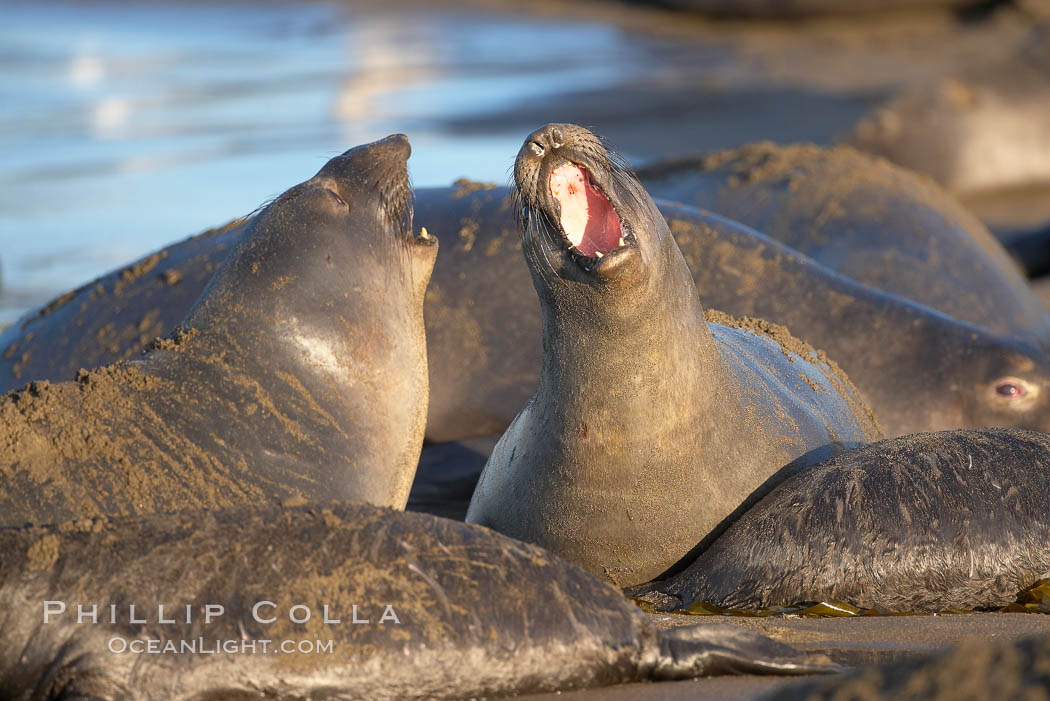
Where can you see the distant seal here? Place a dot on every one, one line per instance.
(866, 219)
(926, 522)
(649, 427)
(920, 369)
(978, 130)
(396, 606)
(300, 372)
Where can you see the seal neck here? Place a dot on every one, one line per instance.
(652, 350)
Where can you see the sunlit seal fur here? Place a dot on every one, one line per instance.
(919, 369)
(400, 606)
(648, 428)
(867, 219)
(926, 522)
(301, 371)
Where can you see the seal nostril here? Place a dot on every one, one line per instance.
(537, 148)
(556, 137)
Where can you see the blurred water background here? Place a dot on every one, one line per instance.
(125, 126)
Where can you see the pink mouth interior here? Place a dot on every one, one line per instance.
(587, 217)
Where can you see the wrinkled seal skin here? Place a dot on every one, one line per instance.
(300, 372)
(630, 452)
(866, 219)
(926, 522)
(560, 628)
(920, 370)
(975, 669)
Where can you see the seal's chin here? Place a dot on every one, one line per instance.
(589, 223)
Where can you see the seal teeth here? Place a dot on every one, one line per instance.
(621, 241)
(423, 233)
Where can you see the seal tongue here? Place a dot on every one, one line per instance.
(587, 218)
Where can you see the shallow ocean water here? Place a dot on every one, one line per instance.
(125, 126)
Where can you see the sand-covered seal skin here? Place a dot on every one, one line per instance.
(868, 220)
(441, 620)
(300, 372)
(925, 522)
(919, 369)
(630, 453)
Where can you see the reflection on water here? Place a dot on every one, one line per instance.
(126, 126)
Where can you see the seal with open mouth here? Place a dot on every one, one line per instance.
(649, 428)
(300, 372)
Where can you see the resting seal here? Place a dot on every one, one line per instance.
(648, 427)
(300, 372)
(439, 620)
(867, 219)
(981, 129)
(927, 522)
(919, 369)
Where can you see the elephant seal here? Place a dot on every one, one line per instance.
(630, 452)
(977, 668)
(866, 219)
(344, 601)
(981, 129)
(300, 372)
(926, 372)
(926, 522)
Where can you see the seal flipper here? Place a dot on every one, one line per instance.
(700, 651)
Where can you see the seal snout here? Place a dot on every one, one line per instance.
(564, 170)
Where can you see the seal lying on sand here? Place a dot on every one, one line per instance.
(982, 129)
(648, 427)
(927, 522)
(919, 369)
(301, 371)
(393, 606)
(866, 219)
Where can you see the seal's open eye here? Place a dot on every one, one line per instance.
(1010, 389)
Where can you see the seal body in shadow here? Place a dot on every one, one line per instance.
(374, 604)
(925, 522)
(632, 448)
(868, 220)
(300, 372)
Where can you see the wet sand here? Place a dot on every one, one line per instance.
(850, 642)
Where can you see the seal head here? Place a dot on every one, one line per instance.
(629, 452)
